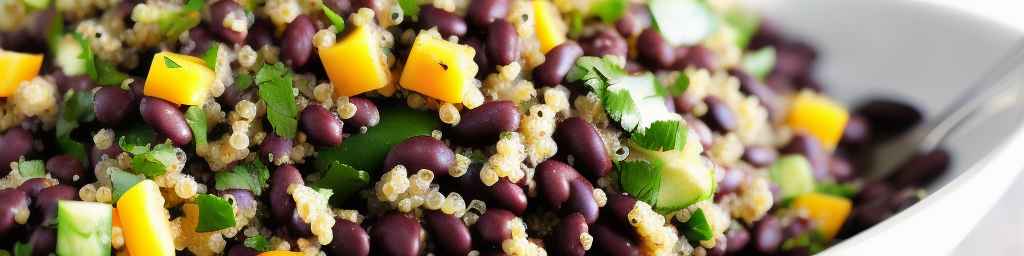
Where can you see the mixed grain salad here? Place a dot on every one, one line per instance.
(428, 127)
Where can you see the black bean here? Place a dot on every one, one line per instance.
(608, 242)
(483, 12)
(636, 19)
(17, 142)
(46, 202)
(840, 169)
(557, 63)
(341, 7)
(794, 59)
(323, 127)
(493, 226)
(261, 33)
(275, 147)
(297, 42)
(653, 49)
(166, 119)
(448, 24)
(581, 140)
(421, 152)
(481, 60)
(395, 235)
(241, 250)
(759, 156)
(67, 169)
(201, 39)
(232, 95)
(11, 202)
(565, 238)
(701, 129)
(581, 200)
(856, 134)
(767, 35)
(736, 238)
(502, 42)
(508, 196)
(241, 198)
(751, 86)
(349, 239)
(219, 11)
(38, 25)
(376, 5)
(604, 42)
(921, 169)
(298, 226)
(449, 234)
(615, 213)
(732, 178)
(810, 148)
(282, 206)
(768, 235)
(874, 191)
(43, 241)
(697, 56)
(77, 83)
(552, 178)
(483, 125)
(366, 115)
(34, 185)
(888, 118)
(719, 116)
(797, 226)
(111, 104)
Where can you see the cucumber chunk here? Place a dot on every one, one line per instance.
(83, 228)
(685, 177)
(683, 22)
(793, 175)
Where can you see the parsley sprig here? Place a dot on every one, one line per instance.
(275, 89)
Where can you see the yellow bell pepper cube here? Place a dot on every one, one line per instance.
(438, 68)
(281, 253)
(15, 68)
(828, 212)
(354, 65)
(144, 221)
(177, 78)
(819, 116)
(548, 25)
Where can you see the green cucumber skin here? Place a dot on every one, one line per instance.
(83, 228)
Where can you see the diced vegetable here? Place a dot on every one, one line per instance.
(83, 228)
(354, 64)
(820, 116)
(215, 213)
(196, 119)
(122, 181)
(548, 25)
(438, 68)
(15, 68)
(154, 162)
(827, 211)
(37, 4)
(259, 243)
(683, 22)
(281, 253)
(366, 151)
(344, 180)
(32, 169)
(759, 63)
(180, 79)
(793, 175)
(145, 223)
(698, 227)
(609, 10)
(685, 178)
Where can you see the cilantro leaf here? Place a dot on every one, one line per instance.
(210, 56)
(107, 73)
(813, 240)
(618, 104)
(87, 56)
(663, 135)
(759, 63)
(22, 249)
(596, 73)
(336, 20)
(610, 11)
(344, 180)
(170, 63)
(837, 189)
(175, 23)
(258, 243)
(55, 33)
(250, 176)
(410, 7)
(77, 107)
(215, 213)
(103, 72)
(697, 228)
(193, 5)
(122, 181)
(575, 24)
(678, 87)
(243, 81)
(196, 119)
(641, 179)
(275, 89)
(154, 162)
(32, 169)
(70, 146)
(136, 139)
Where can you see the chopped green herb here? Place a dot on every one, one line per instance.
(759, 63)
(410, 7)
(575, 24)
(70, 146)
(196, 119)
(32, 169)
(22, 249)
(87, 56)
(275, 83)
(618, 104)
(103, 72)
(258, 243)
(683, 22)
(641, 179)
(154, 162)
(136, 139)
(36, 5)
(344, 180)
(846, 190)
(595, 73)
(172, 24)
(610, 11)
(250, 176)
(215, 213)
(193, 5)
(243, 81)
(744, 22)
(170, 63)
(336, 20)
(663, 135)
(122, 181)
(55, 33)
(697, 228)
(77, 107)
(813, 241)
(366, 151)
(680, 85)
(210, 56)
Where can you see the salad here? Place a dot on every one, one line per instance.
(429, 127)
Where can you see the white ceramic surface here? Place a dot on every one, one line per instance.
(928, 53)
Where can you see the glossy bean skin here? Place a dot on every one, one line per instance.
(261, 33)
(298, 226)
(719, 117)
(481, 60)
(580, 139)
(701, 129)
(375, 5)
(889, 118)
(654, 50)
(841, 169)
(564, 189)
(609, 242)
(637, 19)
(557, 63)
(43, 241)
(760, 156)
(166, 119)
(323, 127)
(731, 179)
(581, 200)
(16, 142)
(241, 198)
(395, 235)
(201, 39)
(615, 213)
(111, 105)
(448, 24)
(34, 185)
(273, 147)
(46, 202)
(697, 56)
(11, 201)
(297, 42)
(768, 235)
(421, 152)
(492, 227)
(605, 42)
(448, 232)
(483, 12)
(67, 169)
(219, 11)
(77, 83)
(737, 238)
(565, 238)
(509, 196)
(483, 125)
(502, 42)
(921, 169)
(282, 206)
(349, 239)
(367, 115)
(810, 148)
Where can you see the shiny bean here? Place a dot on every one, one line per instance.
(166, 119)
(232, 95)
(67, 169)
(481, 60)
(298, 226)
(349, 239)
(43, 241)
(797, 226)
(34, 185)
(732, 178)
(261, 33)
(794, 59)
(77, 83)
(565, 238)
(201, 39)
(557, 63)
(605, 42)
(11, 202)
(736, 238)
(46, 202)
(581, 200)
(751, 86)
(16, 142)
(653, 49)
(297, 42)
(580, 139)
(241, 198)
(856, 134)
(421, 152)
(483, 12)
(874, 191)
(718, 249)
(448, 24)
(375, 5)
(552, 178)
(395, 235)
(888, 118)
(719, 117)
(449, 234)
(768, 235)
(220, 10)
(502, 42)
(759, 156)
(111, 105)
(493, 226)
(636, 20)
(683, 104)
(275, 147)
(840, 169)
(241, 250)
(508, 196)
(615, 213)
(608, 242)
(697, 56)
(282, 206)
(483, 125)
(323, 127)
(701, 129)
(366, 115)
(921, 169)
(810, 148)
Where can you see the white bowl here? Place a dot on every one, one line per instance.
(928, 54)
